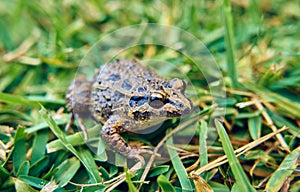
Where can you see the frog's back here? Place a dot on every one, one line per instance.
(116, 83)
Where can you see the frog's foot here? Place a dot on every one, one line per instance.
(139, 165)
(110, 133)
(81, 125)
(140, 159)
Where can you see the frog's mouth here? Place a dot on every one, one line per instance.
(177, 113)
(172, 114)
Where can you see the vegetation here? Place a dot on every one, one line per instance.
(256, 45)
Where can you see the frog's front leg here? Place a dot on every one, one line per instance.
(110, 133)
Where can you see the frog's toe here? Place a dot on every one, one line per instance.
(141, 159)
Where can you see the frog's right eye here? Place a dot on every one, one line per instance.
(156, 100)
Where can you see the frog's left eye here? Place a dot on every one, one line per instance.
(156, 100)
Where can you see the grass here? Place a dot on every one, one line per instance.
(256, 45)
(230, 44)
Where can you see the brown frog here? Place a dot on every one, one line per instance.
(126, 96)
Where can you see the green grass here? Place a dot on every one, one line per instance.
(256, 46)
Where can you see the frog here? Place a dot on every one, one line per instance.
(126, 96)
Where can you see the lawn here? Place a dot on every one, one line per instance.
(239, 59)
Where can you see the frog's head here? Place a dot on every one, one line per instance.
(163, 100)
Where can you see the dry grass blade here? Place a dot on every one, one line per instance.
(223, 159)
(272, 126)
(268, 119)
(200, 184)
(24, 47)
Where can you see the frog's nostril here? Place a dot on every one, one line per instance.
(180, 105)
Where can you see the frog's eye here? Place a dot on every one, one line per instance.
(156, 100)
(177, 84)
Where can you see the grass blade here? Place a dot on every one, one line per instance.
(39, 166)
(131, 186)
(286, 106)
(88, 162)
(165, 184)
(230, 44)
(158, 170)
(254, 127)
(24, 169)
(75, 140)
(281, 121)
(42, 126)
(203, 145)
(4, 175)
(179, 168)
(218, 187)
(285, 169)
(21, 186)
(39, 146)
(19, 151)
(16, 99)
(240, 176)
(66, 171)
(33, 181)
